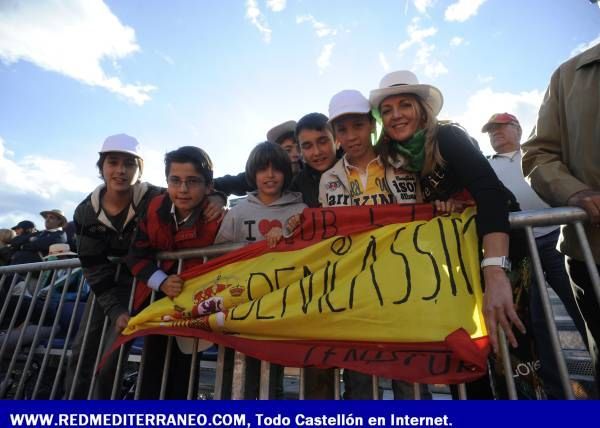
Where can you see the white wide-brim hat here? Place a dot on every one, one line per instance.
(59, 250)
(58, 213)
(406, 82)
(280, 130)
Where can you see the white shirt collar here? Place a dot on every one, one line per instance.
(178, 222)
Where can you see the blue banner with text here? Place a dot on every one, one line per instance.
(257, 414)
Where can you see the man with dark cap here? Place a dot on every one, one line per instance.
(24, 226)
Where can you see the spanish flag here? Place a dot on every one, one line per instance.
(392, 291)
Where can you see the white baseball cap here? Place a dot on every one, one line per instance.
(121, 143)
(348, 101)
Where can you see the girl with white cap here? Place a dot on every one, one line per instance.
(447, 163)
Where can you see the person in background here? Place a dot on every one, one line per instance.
(32, 247)
(6, 235)
(284, 135)
(24, 226)
(561, 161)
(504, 131)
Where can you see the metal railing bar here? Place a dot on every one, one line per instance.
(84, 342)
(336, 384)
(540, 283)
(219, 378)
(375, 386)
(13, 320)
(589, 259)
(13, 360)
(238, 387)
(34, 342)
(53, 333)
(508, 377)
(265, 380)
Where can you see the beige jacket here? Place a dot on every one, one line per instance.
(562, 155)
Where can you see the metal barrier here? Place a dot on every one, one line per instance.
(40, 321)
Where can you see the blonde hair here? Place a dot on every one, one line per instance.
(6, 235)
(433, 157)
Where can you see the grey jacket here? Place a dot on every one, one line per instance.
(251, 220)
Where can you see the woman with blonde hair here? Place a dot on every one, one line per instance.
(447, 164)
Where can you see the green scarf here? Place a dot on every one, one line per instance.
(413, 151)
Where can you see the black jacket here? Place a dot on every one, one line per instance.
(98, 240)
(31, 247)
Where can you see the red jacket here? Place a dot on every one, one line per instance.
(157, 232)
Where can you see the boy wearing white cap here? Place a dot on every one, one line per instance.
(360, 177)
(105, 223)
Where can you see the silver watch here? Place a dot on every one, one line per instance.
(503, 262)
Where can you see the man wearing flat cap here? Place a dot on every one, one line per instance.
(32, 247)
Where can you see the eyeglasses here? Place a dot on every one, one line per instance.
(190, 183)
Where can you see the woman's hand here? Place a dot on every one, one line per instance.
(498, 306)
(273, 236)
(451, 206)
(172, 286)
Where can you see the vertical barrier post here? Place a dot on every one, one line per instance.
(375, 386)
(510, 382)
(218, 392)
(117, 381)
(20, 387)
(14, 319)
(238, 387)
(462, 391)
(302, 384)
(589, 259)
(57, 378)
(83, 345)
(168, 355)
(336, 384)
(265, 380)
(23, 328)
(540, 283)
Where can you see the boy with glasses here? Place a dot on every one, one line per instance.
(173, 221)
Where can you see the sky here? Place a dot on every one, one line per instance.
(220, 74)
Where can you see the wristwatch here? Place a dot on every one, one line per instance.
(503, 262)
